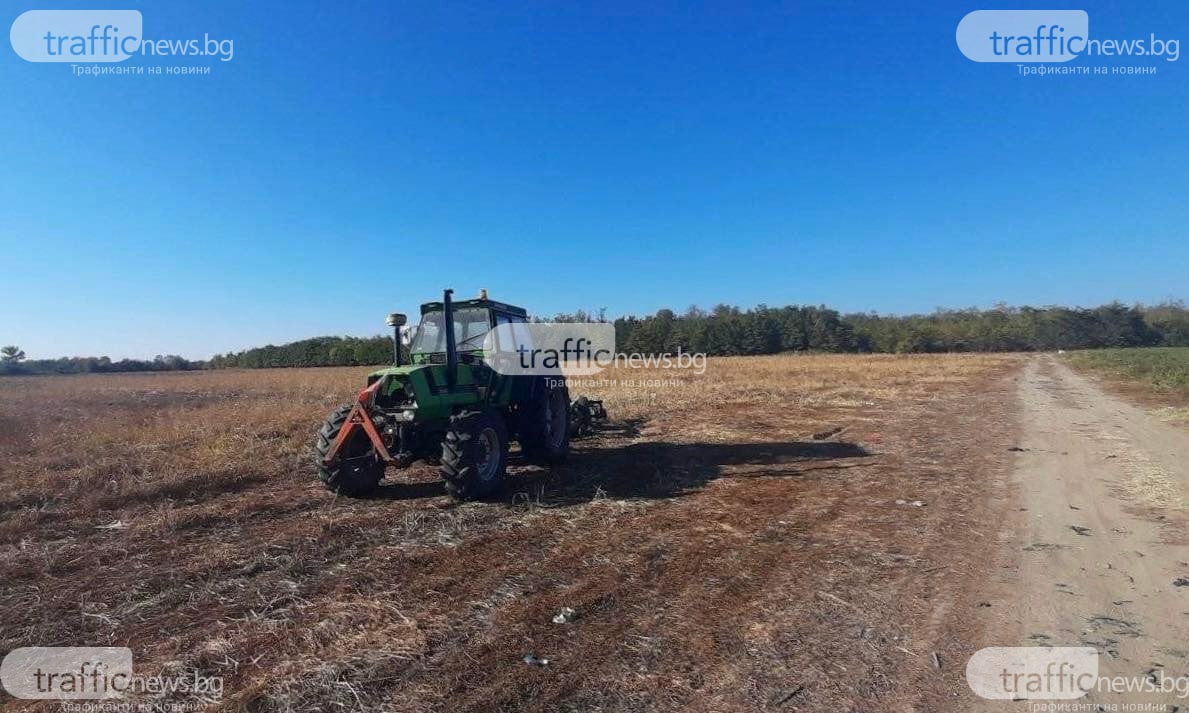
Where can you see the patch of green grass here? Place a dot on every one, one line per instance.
(1164, 369)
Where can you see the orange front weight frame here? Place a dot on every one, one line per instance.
(360, 418)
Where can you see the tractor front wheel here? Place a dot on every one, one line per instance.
(474, 455)
(356, 471)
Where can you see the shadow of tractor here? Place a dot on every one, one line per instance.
(654, 470)
(601, 466)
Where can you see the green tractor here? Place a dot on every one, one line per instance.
(447, 407)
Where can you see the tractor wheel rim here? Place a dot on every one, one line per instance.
(489, 458)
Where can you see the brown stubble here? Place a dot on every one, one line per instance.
(719, 557)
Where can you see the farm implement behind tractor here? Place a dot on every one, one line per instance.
(449, 407)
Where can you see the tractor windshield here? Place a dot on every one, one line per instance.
(470, 326)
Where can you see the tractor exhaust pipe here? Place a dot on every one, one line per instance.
(451, 349)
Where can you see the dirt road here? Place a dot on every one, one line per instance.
(1097, 537)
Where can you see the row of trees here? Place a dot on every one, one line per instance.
(727, 330)
(319, 351)
(13, 361)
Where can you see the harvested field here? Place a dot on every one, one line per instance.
(718, 556)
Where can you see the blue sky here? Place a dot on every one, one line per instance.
(353, 161)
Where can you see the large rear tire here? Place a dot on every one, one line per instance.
(358, 471)
(474, 455)
(545, 426)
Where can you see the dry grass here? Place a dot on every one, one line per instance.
(1157, 377)
(718, 556)
(1172, 414)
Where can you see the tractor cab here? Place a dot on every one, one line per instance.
(472, 320)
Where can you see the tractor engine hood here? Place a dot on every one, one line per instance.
(396, 373)
(402, 384)
(426, 389)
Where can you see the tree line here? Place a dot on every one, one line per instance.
(727, 330)
(13, 361)
(319, 351)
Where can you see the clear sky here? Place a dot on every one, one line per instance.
(354, 160)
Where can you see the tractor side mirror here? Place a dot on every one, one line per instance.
(406, 335)
(396, 319)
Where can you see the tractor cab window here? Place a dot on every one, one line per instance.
(516, 329)
(470, 326)
(511, 336)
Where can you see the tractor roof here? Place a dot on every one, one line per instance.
(477, 303)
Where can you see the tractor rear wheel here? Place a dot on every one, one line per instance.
(545, 426)
(474, 455)
(357, 471)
